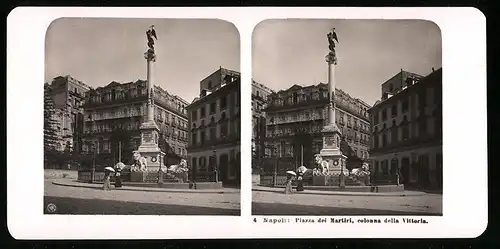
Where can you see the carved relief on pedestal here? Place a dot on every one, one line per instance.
(147, 137)
(330, 141)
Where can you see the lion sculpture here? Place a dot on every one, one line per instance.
(322, 164)
(140, 162)
(180, 170)
(361, 172)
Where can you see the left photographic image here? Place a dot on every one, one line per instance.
(142, 117)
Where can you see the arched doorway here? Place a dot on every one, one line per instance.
(303, 149)
(405, 170)
(121, 146)
(224, 168)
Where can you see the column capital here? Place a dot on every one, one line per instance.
(150, 55)
(331, 58)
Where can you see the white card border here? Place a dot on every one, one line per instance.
(464, 83)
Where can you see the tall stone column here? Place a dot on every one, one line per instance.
(331, 133)
(149, 130)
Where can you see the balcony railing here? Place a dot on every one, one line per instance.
(272, 106)
(233, 139)
(408, 142)
(89, 103)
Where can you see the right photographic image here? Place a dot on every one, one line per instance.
(347, 117)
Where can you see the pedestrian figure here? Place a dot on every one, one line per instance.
(300, 178)
(107, 180)
(118, 180)
(289, 178)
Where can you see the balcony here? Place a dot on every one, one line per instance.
(321, 101)
(417, 142)
(90, 104)
(115, 116)
(231, 139)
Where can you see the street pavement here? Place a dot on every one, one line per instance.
(278, 203)
(78, 200)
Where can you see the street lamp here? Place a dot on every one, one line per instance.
(216, 173)
(341, 178)
(275, 175)
(397, 168)
(93, 162)
(160, 172)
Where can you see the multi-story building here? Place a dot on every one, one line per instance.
(259, 98)
(296, 116)
(214, 134)
(407, 129)
(67, 95)
(114, 113)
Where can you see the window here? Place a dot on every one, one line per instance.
(394, 166)
(202, 112)
(394, 110)
(212, 108)
(384, 114)
(213, 137)
(193, 138)
(405, 105)
(394, 131)
(202, 137)
(210, 84)
(193, 115)
(406, 132)
(422, 100)
(385, 167)
(223, 103)
(257, 93)
(223, 129)
(423, 127)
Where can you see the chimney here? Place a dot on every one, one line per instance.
(432, 69)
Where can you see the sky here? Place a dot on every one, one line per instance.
(98, 51)
(289, 52)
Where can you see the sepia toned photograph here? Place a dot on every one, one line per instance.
(142, 117)
(347, 117)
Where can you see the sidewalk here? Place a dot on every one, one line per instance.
(341, 193)
(74, 183)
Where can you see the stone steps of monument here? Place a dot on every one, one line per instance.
(169, 180)
(349, 181)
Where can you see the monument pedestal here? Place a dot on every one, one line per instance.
(138, 176)
(332, 154)
(149, 146)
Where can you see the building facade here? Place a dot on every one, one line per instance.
(214, 132)
(114, 113)
(407, 130)
(296, 116)
(259, 98)
(67, 94)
